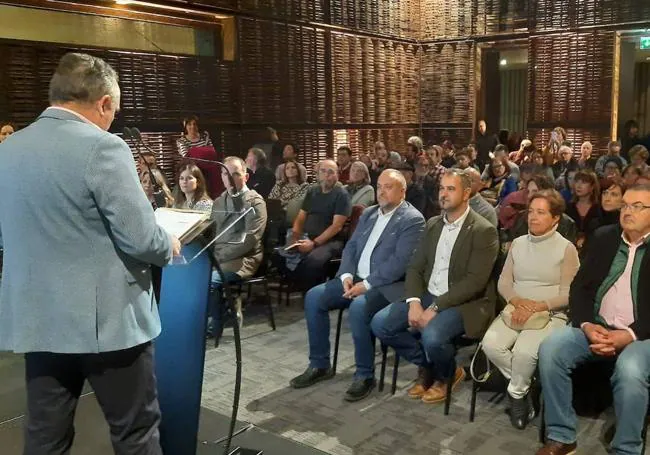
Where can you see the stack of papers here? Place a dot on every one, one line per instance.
(180, 223)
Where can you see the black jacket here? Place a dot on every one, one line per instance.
(601, 251)
(262, 181)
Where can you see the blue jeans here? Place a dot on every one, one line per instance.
(217, 309)
(567, 348)
(328, 296)
(432, 347)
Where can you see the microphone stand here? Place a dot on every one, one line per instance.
(230, 305)
(158, 194)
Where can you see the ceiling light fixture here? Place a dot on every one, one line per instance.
(171, 8)
(503, 62)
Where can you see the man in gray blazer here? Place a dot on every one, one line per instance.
(239, 249)
(79, 235)
(373, 263)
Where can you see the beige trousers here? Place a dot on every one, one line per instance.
(514, 352)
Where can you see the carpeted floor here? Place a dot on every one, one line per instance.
(318, 417)
(382, 424)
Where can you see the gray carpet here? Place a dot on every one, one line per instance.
(317, 417)
(382, 424)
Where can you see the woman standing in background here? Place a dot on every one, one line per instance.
(192, 136)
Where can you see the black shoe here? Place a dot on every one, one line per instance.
(519, 412)
(311, 376)
(360, 389)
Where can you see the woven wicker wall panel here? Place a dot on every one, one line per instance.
(154, 88)
(460, 137)
(598, 137)
(563, 14)
(306, 10)
(395, 18)
(283, 74)
(363, 140)
(447, 83)
(570, 78)
(374, 81)
(445, 18)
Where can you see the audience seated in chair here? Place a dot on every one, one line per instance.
(291, 185)
(316, 235)
(239, 251)
(477, 202)
(446, 291)
(261, 178)
(566, 226)
(609, 306)
(414, 191)
(359, 188)
(290, 152)
(369, 278)
(192, 192)
(535, 284)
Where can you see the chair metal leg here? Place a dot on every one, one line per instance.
(472, 405)
(336, 341)
(393, 386)
(450, 384)
(542, 422)
(382, 372)
(269, 304)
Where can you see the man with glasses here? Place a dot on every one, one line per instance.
(610, 315)
(316, 236)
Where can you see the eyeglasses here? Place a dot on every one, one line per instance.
(634, 208)
(327, 171)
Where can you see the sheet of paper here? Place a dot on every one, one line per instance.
(178, 222)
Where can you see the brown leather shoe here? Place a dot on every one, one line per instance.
(438, 392)
(557, 448)
(423, 383)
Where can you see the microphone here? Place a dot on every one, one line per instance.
(158, 193)
(238, 203)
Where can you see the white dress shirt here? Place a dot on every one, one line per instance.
(363, 268)
(439, 280)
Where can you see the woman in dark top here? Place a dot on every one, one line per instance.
(611, 201)
(585, 209)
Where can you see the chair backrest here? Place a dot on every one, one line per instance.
(357, 210)
(275, 221)
(211, 172)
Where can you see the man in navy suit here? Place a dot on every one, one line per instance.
(79, 235)
(373, 263)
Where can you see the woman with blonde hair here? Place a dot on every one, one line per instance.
(358, 187)
(191, 192)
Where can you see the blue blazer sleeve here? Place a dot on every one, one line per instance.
(410, 231)
(113, 182)
(354, 246)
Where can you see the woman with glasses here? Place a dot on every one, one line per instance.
(500, 183)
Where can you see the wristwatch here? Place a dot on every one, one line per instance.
(433, 307)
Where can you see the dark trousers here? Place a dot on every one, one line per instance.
(313, 267)
(125, 387)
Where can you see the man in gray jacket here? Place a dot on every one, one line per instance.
(79, 235)
(239, 249)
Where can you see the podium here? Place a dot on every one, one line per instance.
(180, 349)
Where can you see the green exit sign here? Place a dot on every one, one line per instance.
(644, 42)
